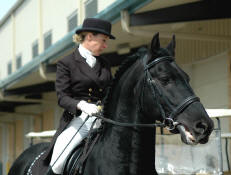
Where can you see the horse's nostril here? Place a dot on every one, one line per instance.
(201, 127)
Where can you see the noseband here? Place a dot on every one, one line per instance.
(169, 121)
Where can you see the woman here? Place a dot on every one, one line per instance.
(81, 80)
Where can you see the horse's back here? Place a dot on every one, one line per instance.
(24, 161)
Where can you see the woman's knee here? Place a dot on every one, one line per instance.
(62, 138)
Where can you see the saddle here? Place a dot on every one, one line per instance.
(73, 160)
(76, 160)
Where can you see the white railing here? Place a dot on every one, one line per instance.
(44, 134)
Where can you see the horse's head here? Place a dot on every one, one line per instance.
(167, 87)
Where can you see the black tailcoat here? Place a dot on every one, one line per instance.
(75, 81)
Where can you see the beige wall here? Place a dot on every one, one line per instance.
(38, 123)
(209, 79)
(212, 81)
(11, 144)
(102, 4)
(6, 53)
(48, 120)
(19, 137)
(26, 29)
(57, 12)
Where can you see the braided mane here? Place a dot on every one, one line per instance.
(128, 62)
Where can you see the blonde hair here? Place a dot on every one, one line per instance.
(79, 38)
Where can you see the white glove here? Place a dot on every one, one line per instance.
(88, 108)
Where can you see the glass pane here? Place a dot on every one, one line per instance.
(72, 22)
(9, 68)
(35, 50)
(91, 8)
(18, 62)
(175, 157)
(47, 40)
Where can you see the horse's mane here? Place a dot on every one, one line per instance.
(130, 60)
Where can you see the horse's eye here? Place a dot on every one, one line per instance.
(164, 80)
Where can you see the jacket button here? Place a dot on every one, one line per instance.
(90, 89)
(100, 90)
(89, 101)
(89, 94)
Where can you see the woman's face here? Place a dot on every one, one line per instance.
(96, 43)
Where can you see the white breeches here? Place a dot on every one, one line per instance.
(68, 140)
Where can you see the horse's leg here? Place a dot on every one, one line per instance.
(24, 161)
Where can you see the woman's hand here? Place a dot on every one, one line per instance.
(88, 108)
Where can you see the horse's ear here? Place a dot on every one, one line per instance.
(155, 45)
(172, 45)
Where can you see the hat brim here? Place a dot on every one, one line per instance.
(87, 29)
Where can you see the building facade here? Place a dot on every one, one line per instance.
(35, 34)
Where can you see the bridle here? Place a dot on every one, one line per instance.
(168, 121)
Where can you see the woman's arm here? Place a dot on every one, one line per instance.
(63, 89)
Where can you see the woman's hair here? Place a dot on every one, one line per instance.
(79, 38)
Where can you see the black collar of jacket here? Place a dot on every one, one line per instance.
(86, 69)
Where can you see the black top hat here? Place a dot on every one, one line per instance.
(96, 25)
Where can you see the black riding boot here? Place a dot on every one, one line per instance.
(50, 172)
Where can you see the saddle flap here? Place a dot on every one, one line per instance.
(76, 160)
(73, 160)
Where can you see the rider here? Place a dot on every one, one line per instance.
(81, 79)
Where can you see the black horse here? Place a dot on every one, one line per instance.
(149, 88)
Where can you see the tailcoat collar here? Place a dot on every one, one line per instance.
(85, 68)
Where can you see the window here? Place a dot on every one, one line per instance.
(18, 61)
(47, 40)
(91, 7)
(35, 49)
(72, 21)
(9, 68)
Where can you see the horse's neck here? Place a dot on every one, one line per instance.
(124, 107)
(133, 147)
(124, 104)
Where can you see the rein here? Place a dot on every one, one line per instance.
(128, 124)
(168, 122)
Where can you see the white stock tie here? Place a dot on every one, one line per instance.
(85, 53)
